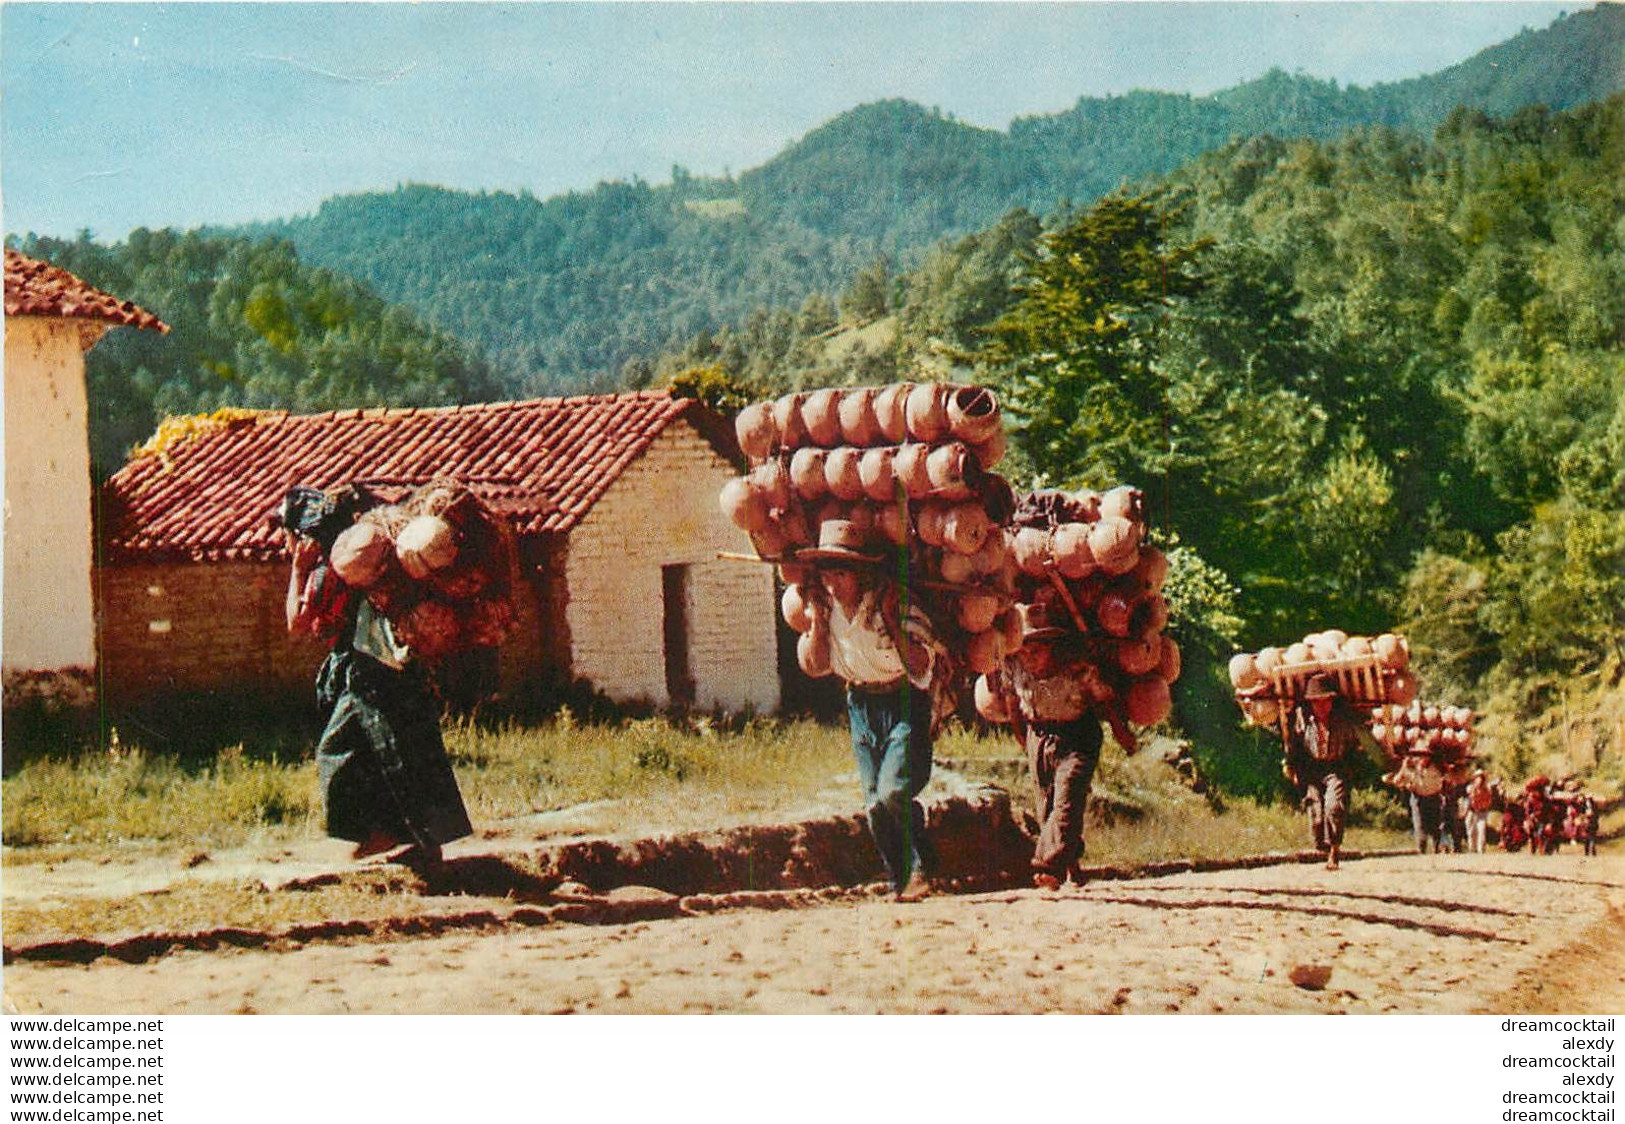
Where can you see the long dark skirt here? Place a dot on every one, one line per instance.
(383, 764)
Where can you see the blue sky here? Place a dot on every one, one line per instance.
(125, 115)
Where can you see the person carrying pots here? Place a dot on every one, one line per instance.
(1047, 681)
(1480, 802)
(387, 783)
(1320, 735)
(897, 673)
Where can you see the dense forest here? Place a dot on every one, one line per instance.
(563, 293)
(251, 326)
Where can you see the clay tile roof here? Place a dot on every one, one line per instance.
(37, 288)
(544, 463)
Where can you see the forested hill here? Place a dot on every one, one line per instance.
(562, 292)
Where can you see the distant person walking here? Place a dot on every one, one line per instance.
(1480, 801)
(386, 780)
(1320, 735)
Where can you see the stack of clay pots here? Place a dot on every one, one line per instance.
(1431, 744)
(1085, 558)
(908, 464)
(439, 564)
(1369, 671)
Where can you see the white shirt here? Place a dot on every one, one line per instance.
(861, 649)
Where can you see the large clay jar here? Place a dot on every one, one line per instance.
(1148, 700)
(1009, 626)
(1244, 671)
(1070, 545)
(813, 657)
(756, 430)
(891, 412)
(982, 652)
(1268, 661)
(1401, 688)
(770, 541)
(795, 610)
(807, 473)
(990, 452)
(1115, 612)
(429, 628)
(891, 523)
(989, 704)
(928, 412)
(966, 530)
(821, 414)
(1325, 647)
(932, 523)
(956, 568)
(1123, 501)
(1357, 647)
(842, 473)
(1137, 656)
(977, 611)
(910, 468)
(858, 424)
(771, 479)
(875, 471)
(1151, 614)
(952, 472)
(973, 414)
(792, 431)
(793, 524)
(1392, 651)
(1151, 571)
(361, 553)
(1031, 548)
(426, 544)
(1114, 542)
(1297, 656)
(1169, 661)
(1085, 505)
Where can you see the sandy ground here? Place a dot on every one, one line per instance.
(1434, 934)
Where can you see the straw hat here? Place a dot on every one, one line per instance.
(839, 540)
(1320, 687)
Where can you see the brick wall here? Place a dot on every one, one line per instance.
(663, 511)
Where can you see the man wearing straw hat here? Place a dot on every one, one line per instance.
(1321, 734)
(885, 649)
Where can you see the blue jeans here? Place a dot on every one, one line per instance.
(891, 743)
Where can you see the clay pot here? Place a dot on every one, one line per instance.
(793, 525)
(973, 414)
(1324, 647)
(1267, 660)
(426, 544)
(1296, 655)
(807, 474)
(1169, 661)
(1401, 687)
(488, 622)
(1009, 627)
(1430, 717)
(1262, 712)
(795, 610)
(1244, 671)
(931, 524)
(821, 414)
(769, 542)
(1115, 612)
(861, 516)
(1148, 700)
(891, 524)
(756, 431)
(983, 652)
(1336, 637)
(771, 480)
(991, 558)
(1136, 656)
(813, 658)
(891, 412)
(1151, 571)
(989, 704)
(1391, 651)
(1069, 547)
(361, 553)
(976, 612)
(1114, 543)
(990, 452)
(1380, 732)
(429, 628)
(1357, 646)
(1032, 551)
(910, 469)
(875, 471)
(952, 472)
(927, 412)
(842, 474)
(787, 420)
(1413, 712)
(1123, 502)
(857, 412)
(1083, 506)
(1150, 615)
(957, 568)
(966, 529)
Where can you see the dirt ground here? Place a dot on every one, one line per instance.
(1418, 934)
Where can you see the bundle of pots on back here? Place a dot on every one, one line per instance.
(1429, 744)
(1369, 671)
(1084, 557)
(909, 464)
(439, 565)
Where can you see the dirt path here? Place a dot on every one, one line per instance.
(1451, 934)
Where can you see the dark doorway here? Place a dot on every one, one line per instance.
(674, 587)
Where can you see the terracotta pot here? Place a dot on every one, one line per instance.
(1169, 661)
(361, 553)
(1413, 712)
(813, 658)
(795, 610)
(909, 468)
(1430, 717)
(792, 431)
(426, 544)
(1267, 660)
(973, 414)
(982, 652)
(821, 414)
(1009, 627)
(861, 516)
(1391, 651)
(966, 529)
(807, 473)
(1114, 542)
(891, 412)
(488, 622)
(1244, 671)
(793, 525)
(956, 568)
(1031, 549)
(842, 474)
(1069, 547)
(1380, 732)
(989, 704)
(1151, 571)
(1263, 712)
(858, 423)
(990, 452)
(1085, 505)
(1325, 647)
(1357, 646)
(1150, 615)
(977, 611)
(429, 628)
(875, 471)
(952, 471)
(1401, 687)
(1148, 700)
(1123, 502)
(1336, 637)
(891, 523)
(756, 430)
(931, 524)
(1296, 655)
(990, 559)
(927, 412)
(1136, 656)
(770, 541)
(1115, 613)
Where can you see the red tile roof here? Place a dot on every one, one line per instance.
(37, 288)
(544, 463)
